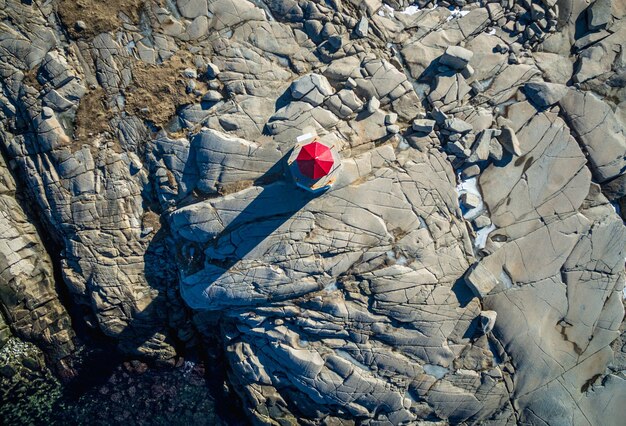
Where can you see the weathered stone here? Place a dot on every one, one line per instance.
(470, 200)
(480, 280)
(482, 221)
(457, 125)
(362, 27)
(509, 141)
(423, 125)
(312, 88)
(470, 171)
(212, 71)
(545, 94)
(602, 135)
(192, 8)
(456, 57)
(599, 14)
(372, 105)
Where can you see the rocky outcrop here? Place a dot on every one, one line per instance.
(28, 296)
(465, 267)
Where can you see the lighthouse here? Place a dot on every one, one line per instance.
(314, 163)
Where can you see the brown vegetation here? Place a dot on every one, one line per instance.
(98, 15)
(157, 91)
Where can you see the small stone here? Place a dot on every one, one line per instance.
(469, 200)
(488, 320)
(190, 73)
(393, 129)
(423, 125)
(47, 112)
(351, 83)
(482, 221)
(480, 149)
(212, 71)
(372, 105)
(480, 280)
(335, 41)
(457, 148)
(362, 27)
(391, 118)
(501, 48)
(438, 115)
(471, 171)
(212, 96)
(80, 26)
(456, 125)
(468, 139)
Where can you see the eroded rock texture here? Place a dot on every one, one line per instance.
(466, 267)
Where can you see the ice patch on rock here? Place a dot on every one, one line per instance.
(386, 10)
(481, 236)
(436, 371)
(410, 10)
(470, 186)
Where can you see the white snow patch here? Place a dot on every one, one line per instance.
(481, 236)
(386, 10)
(400, 260)
(616, 207)
(410, 10)
(403, 145)
(470, 186)
(436, 371)
(457, 13)
(303, 137)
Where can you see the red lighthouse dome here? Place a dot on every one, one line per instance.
(315, 160)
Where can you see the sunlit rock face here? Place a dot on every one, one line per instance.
(465, 266)
(344, 295)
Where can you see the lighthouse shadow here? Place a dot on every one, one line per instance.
(277, 202)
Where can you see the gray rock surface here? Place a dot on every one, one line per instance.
(466, 267)
(27, 291)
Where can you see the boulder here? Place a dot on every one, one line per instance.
(545, 94)
(509, 141)
(456, 57)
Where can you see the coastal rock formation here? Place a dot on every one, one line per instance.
(466, 267)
